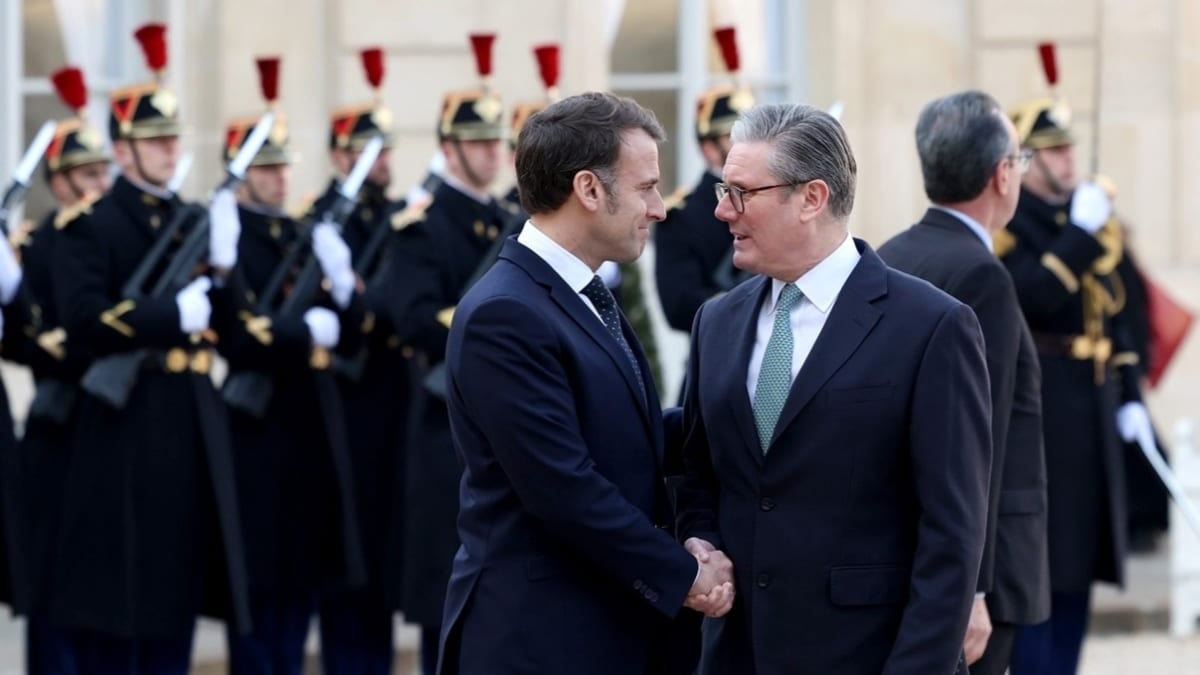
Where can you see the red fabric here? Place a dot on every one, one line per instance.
(71, 88)
(1049, 62)
(268, 77)
(727, 39)
(1169, 325)
(153, 38)
(372, 61)
(547, 59)
(481, 44)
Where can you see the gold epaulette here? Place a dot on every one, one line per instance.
(676, 199)
(408, 216)
(72, 213)
(1003, 242)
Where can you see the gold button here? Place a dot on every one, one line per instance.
(177, 360)
(407, 352)
(479, 228)
(1060, 217)
(493, 232)
(319, 359)
(155, 221)
(202, 361)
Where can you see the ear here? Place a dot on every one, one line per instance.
(813, 196)
(588, 190)
(1002, 178)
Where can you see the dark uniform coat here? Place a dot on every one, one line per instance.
(56, 363)
(376, 400)
(432, 261)
(1054, 267)
(692, 255)
(149, 531)
(293, 465)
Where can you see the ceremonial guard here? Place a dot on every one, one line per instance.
(693, 250)
(356, 623)
(149, 535)
(292, 457)
(77, 173)
(435, 257)
(1062, 248)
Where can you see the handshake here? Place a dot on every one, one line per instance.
(712, 593)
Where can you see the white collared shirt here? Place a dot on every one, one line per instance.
(564, 263)
(972, 225)
(820, 287)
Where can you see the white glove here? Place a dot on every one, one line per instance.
(334, 256)
(194, 306)
(610, 273)
(10, 273)
(1133, 422)
(1090, 207)
(224, 228)
(324, 327)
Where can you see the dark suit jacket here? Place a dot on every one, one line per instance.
(856, 538)
(942, 250)
(566, 563)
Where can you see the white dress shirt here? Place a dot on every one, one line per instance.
(972, 225)
(564, 263)
(820, 287)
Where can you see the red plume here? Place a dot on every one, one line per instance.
(547, 59)
(727, 39)
(268, 77)
(372, 61)
(1049, 62)
(481, 44)
(153, 38)
(69, 84)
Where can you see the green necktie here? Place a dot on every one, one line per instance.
(775, 376)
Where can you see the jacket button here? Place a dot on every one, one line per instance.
(763, 580)
(766, 504)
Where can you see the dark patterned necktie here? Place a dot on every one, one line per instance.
(604, 302)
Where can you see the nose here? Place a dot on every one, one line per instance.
(725, 211)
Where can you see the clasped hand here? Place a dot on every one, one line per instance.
(712, 594)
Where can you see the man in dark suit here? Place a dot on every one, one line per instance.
(837, 421)
(567, 561)
(972, 165)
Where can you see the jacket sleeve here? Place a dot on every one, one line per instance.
(1047, 280)
(950, 453)
(698, 492)
(534, 431)
(421, 304)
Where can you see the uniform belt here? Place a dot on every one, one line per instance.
(180, 360)
(1078, 347)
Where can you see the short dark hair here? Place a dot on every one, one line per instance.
(806, 143)
(960, 140)
(578, 133)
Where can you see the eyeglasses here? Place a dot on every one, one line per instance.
(1021, 159)
(737, 195)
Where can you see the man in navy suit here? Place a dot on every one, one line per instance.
(837, 422)
(972, 164)
(568, 561)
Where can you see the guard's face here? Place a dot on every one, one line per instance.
(634, 202)
(380, 174)
(157, 158)
(1054, 168)
(78, 182)
(269, 185)
(476, 163)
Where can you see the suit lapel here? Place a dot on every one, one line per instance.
(741, 344)
(850, 321)
(570, 302)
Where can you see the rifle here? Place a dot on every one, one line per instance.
(112, 378)
(434, 381)
(15, 194)
(250, 391)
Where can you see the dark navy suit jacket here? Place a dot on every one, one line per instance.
(856, 539)
(568, 563)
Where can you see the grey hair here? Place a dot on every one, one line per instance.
(960, 140)
(806, 144)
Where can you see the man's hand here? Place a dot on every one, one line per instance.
(334, 256)
(1133, 422)
(979, 629)
(712, 594)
